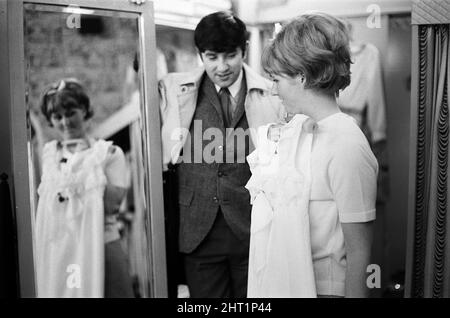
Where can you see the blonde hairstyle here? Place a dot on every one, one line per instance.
(315, 46)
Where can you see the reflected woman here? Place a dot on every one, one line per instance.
(78, 250)
(313, 183)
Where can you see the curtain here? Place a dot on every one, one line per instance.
(431, 255)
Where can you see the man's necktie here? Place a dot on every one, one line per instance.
(225, 101)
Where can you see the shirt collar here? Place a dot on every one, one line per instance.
(235, 87)
(254, 80)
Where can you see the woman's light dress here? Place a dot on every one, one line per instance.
(280, 261)
(70, 222)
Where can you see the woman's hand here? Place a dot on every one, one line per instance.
(117, 185)
(113, 198)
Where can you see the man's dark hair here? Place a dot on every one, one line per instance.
(221, 32)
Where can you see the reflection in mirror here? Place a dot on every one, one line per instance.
(86, 153)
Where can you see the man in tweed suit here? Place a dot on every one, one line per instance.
(207, 114)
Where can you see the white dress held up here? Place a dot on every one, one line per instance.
(70, 223)
(280, 261)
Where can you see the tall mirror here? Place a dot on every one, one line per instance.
(88, 152)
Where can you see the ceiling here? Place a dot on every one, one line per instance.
(270, 11)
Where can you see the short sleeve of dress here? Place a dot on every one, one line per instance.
(116, 168)
(353, 173)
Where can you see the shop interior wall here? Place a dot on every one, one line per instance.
(398, 93)
(177, 48)
(393, 39)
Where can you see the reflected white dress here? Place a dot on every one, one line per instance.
(280, 261)
(70, 223)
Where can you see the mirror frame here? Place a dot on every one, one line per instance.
(19, 141)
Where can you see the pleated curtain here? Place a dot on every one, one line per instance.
(431, 247)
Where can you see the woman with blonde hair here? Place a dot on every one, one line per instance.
(313, 186)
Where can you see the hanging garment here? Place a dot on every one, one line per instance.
(363, 99)
(280, 261)
(70, 223)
